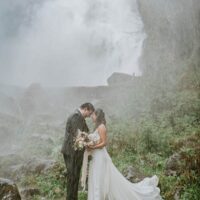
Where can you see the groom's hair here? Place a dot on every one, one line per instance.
(88, 106)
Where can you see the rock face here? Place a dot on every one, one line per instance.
(173, 37)
(8, 190)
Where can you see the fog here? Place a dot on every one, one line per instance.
(48, 46)
(68, 43)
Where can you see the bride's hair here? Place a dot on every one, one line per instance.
(100, 117)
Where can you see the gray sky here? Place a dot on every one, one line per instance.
(66, 42)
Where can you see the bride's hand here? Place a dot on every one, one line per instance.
(87, 148)
(90, 147)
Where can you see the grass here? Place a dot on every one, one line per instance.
(145, 144)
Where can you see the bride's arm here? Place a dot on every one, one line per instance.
(103, 138)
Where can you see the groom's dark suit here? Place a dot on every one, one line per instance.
(73, 159)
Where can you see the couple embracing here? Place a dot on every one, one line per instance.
(105, 182)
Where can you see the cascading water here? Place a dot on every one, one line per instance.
(79, 42)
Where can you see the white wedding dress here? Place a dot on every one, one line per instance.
(105, 182)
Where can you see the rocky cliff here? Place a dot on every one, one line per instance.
(173, 38)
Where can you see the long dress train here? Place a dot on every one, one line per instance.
(105, 181)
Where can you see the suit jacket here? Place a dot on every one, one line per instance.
(74, 122)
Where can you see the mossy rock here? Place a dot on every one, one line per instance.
(8, 190)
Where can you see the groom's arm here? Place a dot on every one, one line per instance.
(86, 129)
(76, 123)
(72, 125)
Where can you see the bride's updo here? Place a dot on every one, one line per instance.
(100, 117)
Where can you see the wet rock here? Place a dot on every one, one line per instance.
(173, 165)
(119, 79)
(161, 24)
(8, 190)
(35, 166)
(133, 174)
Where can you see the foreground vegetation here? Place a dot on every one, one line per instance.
(167, 124)
(147, 144)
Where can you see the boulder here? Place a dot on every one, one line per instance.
(119, 79)
(8, 190)
(173, 165)
(35, 166)
(133, 174)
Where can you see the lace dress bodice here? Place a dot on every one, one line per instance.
(94, 136)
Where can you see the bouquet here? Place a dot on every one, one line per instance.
(82, 140)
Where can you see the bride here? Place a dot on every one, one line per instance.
(105, 182)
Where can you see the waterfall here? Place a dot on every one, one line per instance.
(79, 42)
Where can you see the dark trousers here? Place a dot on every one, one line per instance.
(73, 164)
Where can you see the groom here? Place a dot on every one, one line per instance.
(73, 159)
